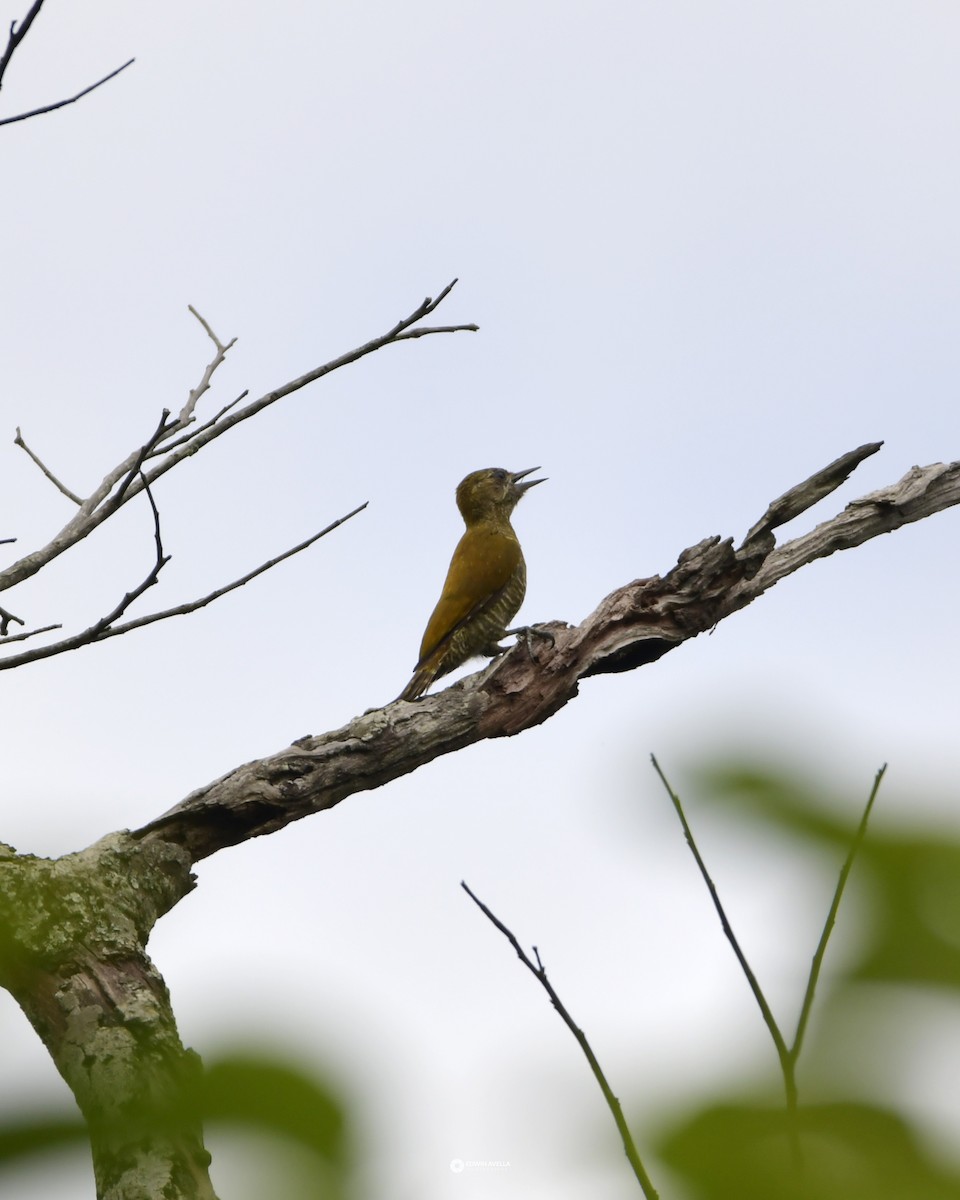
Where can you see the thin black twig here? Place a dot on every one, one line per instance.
(105, 628)
(17, 35)
(158, 541)
(117, 498)
(18, 441)
(613, 1103)
(168, 446)
(102, 627)
(7, 541)
(183, 609)
(38, 112)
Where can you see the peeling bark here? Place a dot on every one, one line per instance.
(635, 625)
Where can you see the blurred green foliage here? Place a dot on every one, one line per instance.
(913, 874)
(739, 1145)
(278, 1098)
(244, 1092)
(850, 1152)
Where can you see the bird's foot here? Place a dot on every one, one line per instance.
(528, 632)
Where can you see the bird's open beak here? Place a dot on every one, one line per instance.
(523, 487)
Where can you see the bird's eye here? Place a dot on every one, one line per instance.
(500, 475)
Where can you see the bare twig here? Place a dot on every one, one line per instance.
(186, 413)
(103, 627)
(18, 441)
(205, 434)
(193, 605)
(93, 511)
(70, 100)
(157, 540)
(17, 36)
(751, 978)
(38, 112)
(100, 628)
(200, 428)
(106, 628)
(418, 333)
(221, 348)
(7, 541)
(787, 1062)
(817, 962)
(22, 637)
(117, 498)
(6, 618)
(613, 1103)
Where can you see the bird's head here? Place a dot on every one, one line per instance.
(493, 492)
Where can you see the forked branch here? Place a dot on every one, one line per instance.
(107, 627)
(787, 1055)
(175, 440)
(6, 618)
(16, 36)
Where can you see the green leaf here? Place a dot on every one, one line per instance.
(277, 1098)
(849, 1152)
(912, 877)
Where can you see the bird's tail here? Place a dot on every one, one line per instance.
(422, 678)
(427, 670)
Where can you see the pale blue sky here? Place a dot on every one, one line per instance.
(710, 248)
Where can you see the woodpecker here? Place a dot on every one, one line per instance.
(486, 581)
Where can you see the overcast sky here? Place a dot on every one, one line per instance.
(710, 247)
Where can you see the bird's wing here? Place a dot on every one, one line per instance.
(480, 569)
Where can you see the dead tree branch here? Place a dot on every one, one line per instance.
(61, 487)
(103, 502)
(634, 625)
(186, 413)
(200, 428)
(22, 637)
